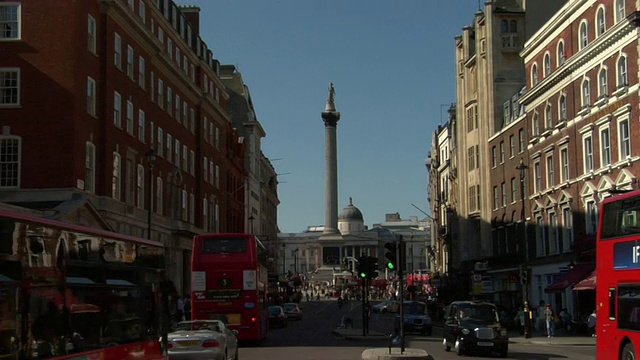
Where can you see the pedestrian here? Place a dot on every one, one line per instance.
(179, 309)
(187, 307)
(540, 318)
(307, 295)
(566, 320)
(519, 320)
(318, 296)
(591, 323)
(550, 321)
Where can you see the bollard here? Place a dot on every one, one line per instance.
(391, 336)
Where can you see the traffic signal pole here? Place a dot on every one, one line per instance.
(401, 285)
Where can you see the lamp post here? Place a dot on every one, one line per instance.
(524, 274)
(151, 159)
(251, 218)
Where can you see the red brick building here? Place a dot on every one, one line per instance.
(111, 110)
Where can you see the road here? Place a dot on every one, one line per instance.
(312, 339)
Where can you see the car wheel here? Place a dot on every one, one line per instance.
(447, 348)
(458, 347)
(628, 352)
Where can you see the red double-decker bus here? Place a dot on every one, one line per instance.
(618, 278)
(73, 292)
(229, 282)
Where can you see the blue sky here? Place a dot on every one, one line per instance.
(392, 65)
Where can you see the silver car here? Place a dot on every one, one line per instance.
(292, 310)
(202, 339)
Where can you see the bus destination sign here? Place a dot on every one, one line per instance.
(626, 255)
(224, 294)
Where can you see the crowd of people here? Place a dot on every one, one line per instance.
(545, 321)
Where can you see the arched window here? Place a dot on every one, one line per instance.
(116, 175)
(584, 35)
(562, 108)
(586, 93)
(90, 168)
(548, 118)
(504, 26)
(534, 74)
(601, 25)
(623, 78)
(603, 84)
(620, 10)
(547, 64)
(513, 26)
(536, 124)
(561, 55)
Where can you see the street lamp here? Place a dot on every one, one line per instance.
(524, 273)
(151, 160)
(251, 218)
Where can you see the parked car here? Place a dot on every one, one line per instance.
(387, 306)
(474, 326)
(292, 310)
(416, 318)
(277, 317)
(202, 339)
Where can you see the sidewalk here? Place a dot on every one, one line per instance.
(514, 338)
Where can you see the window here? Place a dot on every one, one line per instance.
(161, 35)
(588, 154)
(141, 125)
(538, 176)
(177, 108)
(584, 36)
(10, 147)
(512, 146)
(169, 100)
(177, 154)
(117, 51)
(495, 198)
(625, 140)
(540, 240)
(170, 47)
(521, 140)
(586, 93)
(534, 75)
(141, 71)
(536, 125)
(547, 65)
(504, 193)
(9, 86)
(550, 172)
(605, 147)
(91, 34)
(116, 174)
(169, 147)
(592, 217)
(620, 10)
(160, 93)
(561, 55)
(131, 4)
(205, 169)
(514, 190)
(567, 229)
(600, 22)
(494, 156)
(10, 21)
(142, 11)
(501, 152)
(602, 80)
(140, 186)
(554, 241)
(91, 96)
(564, 164)
(129, 117)
(548, 118)
(562, 104)
(160, 140)
(130, 57)
(159, 196)
(185, 156)
(623, 79)
(90, 168)
(152, 85)
(192, 162)
(184, 206)
(117, 109)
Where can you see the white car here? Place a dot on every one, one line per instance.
(202, 339)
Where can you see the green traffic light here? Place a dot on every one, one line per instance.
(363, 275)
(391, 266)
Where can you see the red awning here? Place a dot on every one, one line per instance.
(578, 273)
(589, 283)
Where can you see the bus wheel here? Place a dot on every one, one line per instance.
(628, 352)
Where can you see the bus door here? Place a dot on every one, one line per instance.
(606, 320)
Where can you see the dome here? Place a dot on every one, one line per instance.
(350, 213)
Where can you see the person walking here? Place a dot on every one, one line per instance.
(550, 321)
(519, 320)
(591, 323)
(540, 318)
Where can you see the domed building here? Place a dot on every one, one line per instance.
(351, 220)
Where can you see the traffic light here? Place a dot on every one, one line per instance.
(363, 267)
(391, 254)
(373, 268)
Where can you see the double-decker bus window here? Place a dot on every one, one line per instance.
(612, 303)
(629, 307)
(231, 245)
(621, 218)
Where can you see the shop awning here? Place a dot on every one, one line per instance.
(575, 275)
(589, 283)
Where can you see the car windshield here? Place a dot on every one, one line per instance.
(274, 310)
(414, 308)
(481, 312)
(199, 325)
